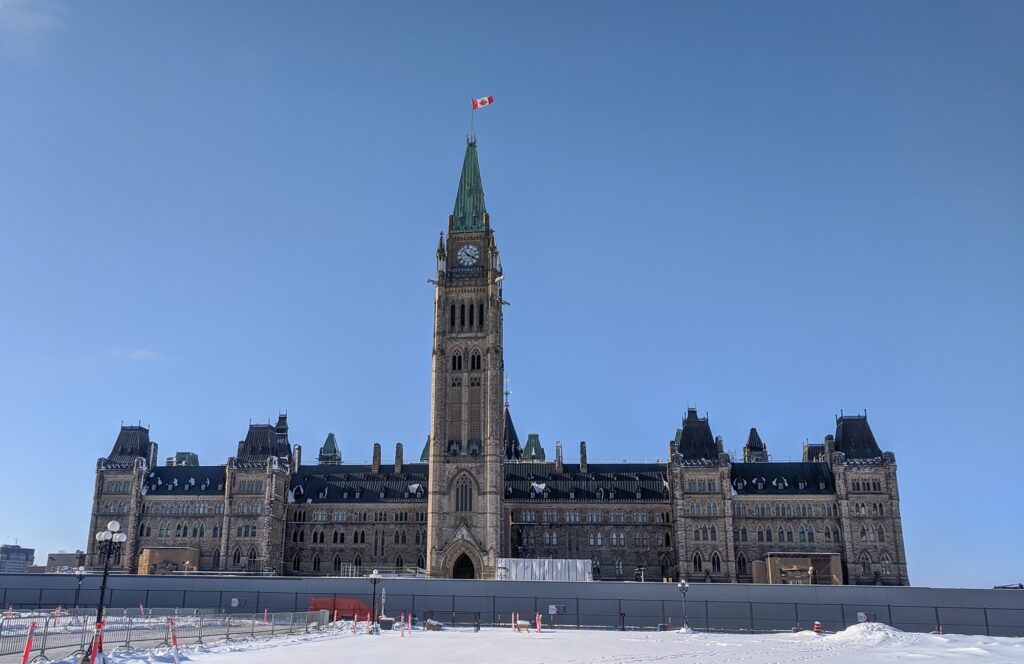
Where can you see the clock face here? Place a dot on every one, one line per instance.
(468, 255)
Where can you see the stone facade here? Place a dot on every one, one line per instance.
(476, 495)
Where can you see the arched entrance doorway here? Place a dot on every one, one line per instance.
(463, 568)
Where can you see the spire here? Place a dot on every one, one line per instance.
(329, 453)
(469, 211)
(513, 450)
(533, 450)
(754, 451)
(425, 454)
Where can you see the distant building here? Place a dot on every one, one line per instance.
(15, 559)
(64, 561)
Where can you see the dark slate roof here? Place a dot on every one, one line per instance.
(694, 440)
(185, 481)
(263, 441)
(754, 440)
(132, 443)
(524, 481)
(469, 201)
(784, 478)
(513, 450)
(854, 437)
(329, 483)
(813, 451)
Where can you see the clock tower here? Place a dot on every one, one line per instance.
(467, 378)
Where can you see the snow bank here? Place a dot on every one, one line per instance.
(874, 633)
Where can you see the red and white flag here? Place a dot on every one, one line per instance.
(482, 101)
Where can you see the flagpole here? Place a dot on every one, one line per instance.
(471, 119)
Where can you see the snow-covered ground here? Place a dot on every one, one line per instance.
(870, 642)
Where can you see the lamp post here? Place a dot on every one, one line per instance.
(109, 543)
(79, 574)
(375, 578)
(683, 587)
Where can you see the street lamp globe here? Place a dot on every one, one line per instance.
(114, 526)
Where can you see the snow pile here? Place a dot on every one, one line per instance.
(873, 633)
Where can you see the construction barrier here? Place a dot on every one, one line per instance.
(44, 636)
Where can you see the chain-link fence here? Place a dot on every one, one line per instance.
(57, 635)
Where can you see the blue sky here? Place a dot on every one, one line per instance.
(772, 212)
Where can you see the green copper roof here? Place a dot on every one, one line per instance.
(425, 454)
(469, 202)
(329, 452)
(533, 451)
(186, 459)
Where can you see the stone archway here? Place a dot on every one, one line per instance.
(463, 568)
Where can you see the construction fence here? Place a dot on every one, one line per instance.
(607, 605)
(56, 635)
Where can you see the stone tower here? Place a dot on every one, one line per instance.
(467, 411)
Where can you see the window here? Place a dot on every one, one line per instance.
(474, 361)
(453, 316)
(236, 558)
(295, 563)
(399, 561)
(789, 534)
(316, 563)
(865, 564)
(698, 562)
(714, 533)
(716, 563)
(216, 559)
(760, 534)
(337, 563)
(881, 534)
(464, 495)
(618, 567)
(803, 534)
(457, 362)
(886, 564)
(743, 534)
(741, 564)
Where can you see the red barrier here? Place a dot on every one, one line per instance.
(28, 643)
(174, 640)
(97, 642)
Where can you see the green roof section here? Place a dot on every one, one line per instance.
(186, 459)
(425, 454)
(330, 453)
(533, 451)
(468, 216)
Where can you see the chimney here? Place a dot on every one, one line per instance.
(296, 458)
(376, 457)
(398, 458)
(559, 467)
(583, 457)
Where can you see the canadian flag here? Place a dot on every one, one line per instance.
(482, 101)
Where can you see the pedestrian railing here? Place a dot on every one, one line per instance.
(57, 635)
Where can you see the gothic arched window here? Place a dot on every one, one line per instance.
(698, 562)
(865, 563)
(464, 495)
(236, 557)
(216, 559)
(716, 563)
(741, 564)
(886, 566)
(337, 563)
(457, 362)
